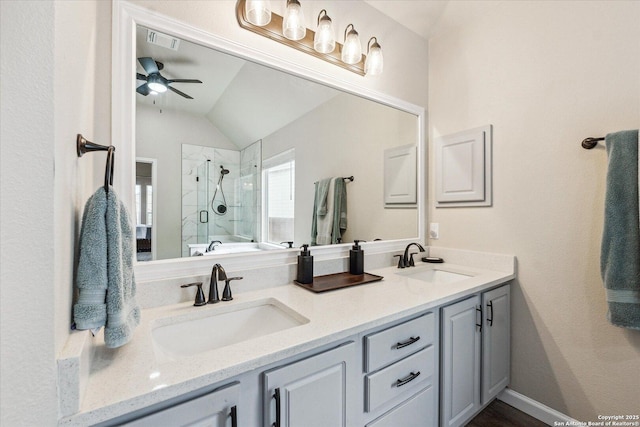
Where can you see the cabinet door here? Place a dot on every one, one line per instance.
(215, 409)
(314, 392)
(495, 342)
(460, 388)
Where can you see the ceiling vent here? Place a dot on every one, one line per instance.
(162, 39)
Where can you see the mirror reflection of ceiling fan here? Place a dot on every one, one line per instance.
(155, 82)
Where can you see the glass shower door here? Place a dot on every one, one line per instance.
(203, 220)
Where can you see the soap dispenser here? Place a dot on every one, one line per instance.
(356, 258)
(305, 266)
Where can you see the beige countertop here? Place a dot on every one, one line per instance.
(138, 374)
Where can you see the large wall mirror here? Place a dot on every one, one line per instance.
(227, 160)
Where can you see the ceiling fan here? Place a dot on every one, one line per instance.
(155, 82)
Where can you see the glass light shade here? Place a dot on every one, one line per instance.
(324, 41)
(293, 26)
(258, 12)
(351, 50)
(374, 63)
(155, 84)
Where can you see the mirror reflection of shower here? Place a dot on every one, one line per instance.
(220, 197)
(220, 206)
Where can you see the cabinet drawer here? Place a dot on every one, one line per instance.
(385, 347)
(406, 375)
(419, 410)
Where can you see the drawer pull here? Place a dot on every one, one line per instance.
(407, 342)
(412, 376)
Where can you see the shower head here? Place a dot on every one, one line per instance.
(223, 171)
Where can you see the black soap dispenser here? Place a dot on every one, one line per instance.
(305, 266)
(356, 258)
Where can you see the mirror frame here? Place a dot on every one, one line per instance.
(126, 17)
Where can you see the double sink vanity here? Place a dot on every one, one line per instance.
(427, 345)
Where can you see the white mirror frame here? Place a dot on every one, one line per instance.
(126, 17)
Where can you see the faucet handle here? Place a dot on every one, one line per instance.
(199, 293)
(400, 261)
(411, 262)
(226, 293)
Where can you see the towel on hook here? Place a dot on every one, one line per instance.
(105, 280)
(319, 207)
(324, 223)
(339, 210)
(620, 254)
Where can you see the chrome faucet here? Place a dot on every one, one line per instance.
(407, 260)
(213, 245)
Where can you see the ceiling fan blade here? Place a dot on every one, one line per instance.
(184, 81)
(141, 77)
(149, 65)
(180, 93)
(143, 89)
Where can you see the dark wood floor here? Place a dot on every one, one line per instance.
(499, 414)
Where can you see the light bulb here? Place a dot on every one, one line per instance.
(374, 63)
(258, 12)
(293, 26)
(156, 84)
(351, 50)
(324, 41)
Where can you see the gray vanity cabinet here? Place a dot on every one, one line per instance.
(318, 391)
(216, 409)
(475, 357)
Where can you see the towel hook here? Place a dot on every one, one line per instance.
(108, 171)
(589, 143)
(84, 146)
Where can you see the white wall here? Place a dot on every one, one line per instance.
(49, 94)
(546, 75)
(353, 148)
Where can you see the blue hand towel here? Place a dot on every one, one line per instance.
(620, 255)
(105, 280)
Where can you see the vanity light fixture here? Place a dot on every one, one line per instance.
(293, 26)
(374, 63)
(352, 50)
(321, 44)
(258, 12)
(324, 40)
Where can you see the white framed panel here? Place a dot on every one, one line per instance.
(463, 168)
(400, 175)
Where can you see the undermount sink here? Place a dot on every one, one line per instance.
(220, 326)
(433, 276)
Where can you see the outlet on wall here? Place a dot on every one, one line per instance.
(434, 230)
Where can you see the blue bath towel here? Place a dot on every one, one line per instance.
(105, 280)
(620, 255)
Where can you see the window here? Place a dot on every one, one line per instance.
(279, 181)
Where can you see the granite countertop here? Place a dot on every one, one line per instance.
(138, 374)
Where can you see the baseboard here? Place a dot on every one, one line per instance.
(535, 409)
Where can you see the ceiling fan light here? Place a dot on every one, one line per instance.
(374, 63)
(324, 41)
(258, 12)
(351, 50)
(293, 26)
(155, 84)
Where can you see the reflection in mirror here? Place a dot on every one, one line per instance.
(239, 147)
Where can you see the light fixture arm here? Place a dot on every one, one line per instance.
(322, 17)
